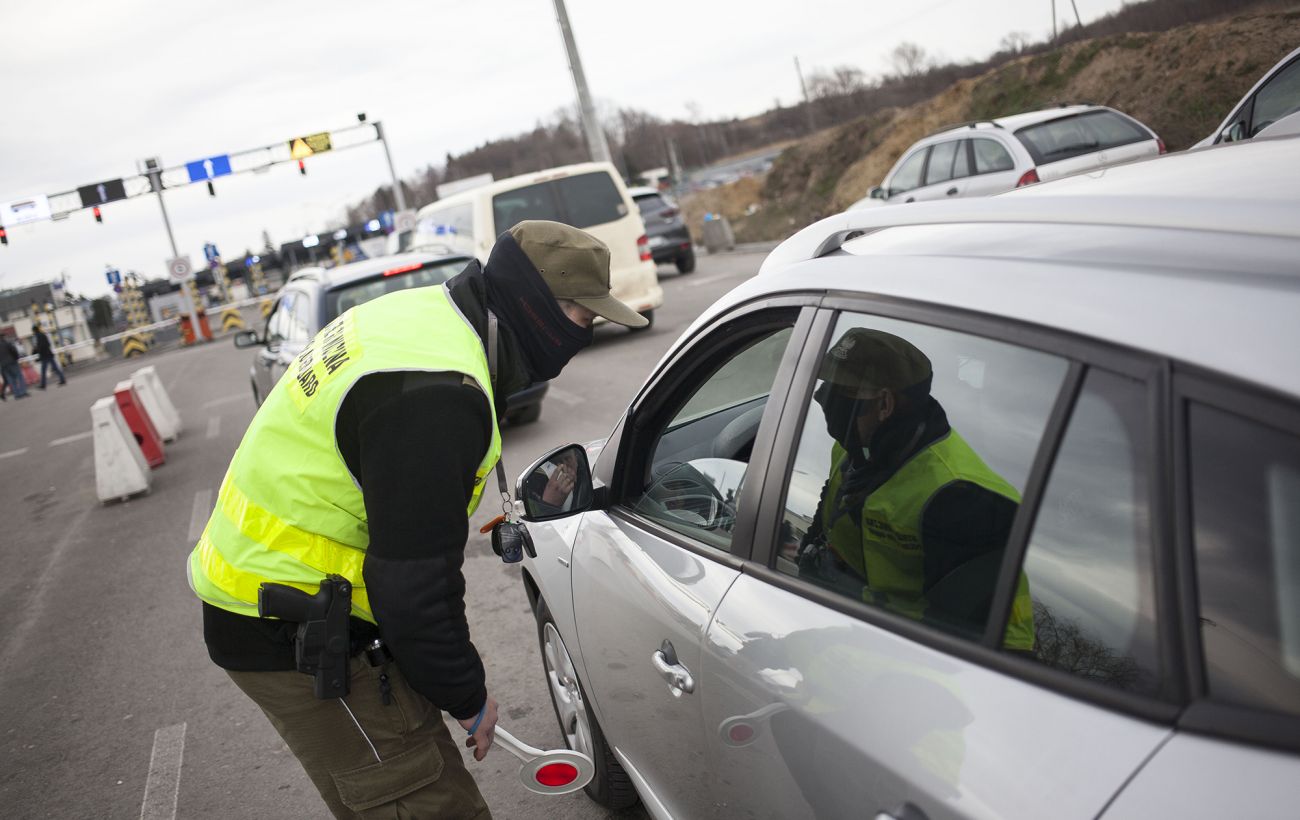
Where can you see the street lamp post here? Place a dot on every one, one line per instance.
(596, 144)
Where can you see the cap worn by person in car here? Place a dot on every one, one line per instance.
(575, 266)
(864, 361)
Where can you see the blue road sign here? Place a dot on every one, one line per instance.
(210, 168)
(210, 252)
(113, 276)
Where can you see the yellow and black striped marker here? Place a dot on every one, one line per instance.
(266, 308)
(133, 346)
(231, 320)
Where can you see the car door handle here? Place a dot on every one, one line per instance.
(952, 192)
(678, 677)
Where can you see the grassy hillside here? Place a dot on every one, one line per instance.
(1180, 82)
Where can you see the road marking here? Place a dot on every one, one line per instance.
(163, 787)
(718, 277)
(226, 400)
(199, 513)
(13, 453)
(214, 426)
(70, 439)
(563, 396)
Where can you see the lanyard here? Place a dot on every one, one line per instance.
(507, 504)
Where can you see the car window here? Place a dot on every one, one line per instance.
(277, 327)
(356, 293)
(443, 224)
(699, 457)
(301, 327)
(650, 204)
(961, 163)
(1279, 97)
(908, 175)
(910, 466)
(530, 202)
(991, 156)
(1079, 134)
(1245, 487)
(941, 159)
(590, 199)
(1089, 562)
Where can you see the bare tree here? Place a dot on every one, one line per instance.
(1014, 42)
(909, 60)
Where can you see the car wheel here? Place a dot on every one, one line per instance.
(649, 319)
(610, 787)
(686, 262)
(528, 415)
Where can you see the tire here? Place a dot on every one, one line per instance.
(528, 415)
(610, 786)
(650, 321)
(686, 262)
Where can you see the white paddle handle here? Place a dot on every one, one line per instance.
(511, 744)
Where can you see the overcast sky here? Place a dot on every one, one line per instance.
(91, 88)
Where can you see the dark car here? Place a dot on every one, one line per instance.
(313, 296)
(669, 239)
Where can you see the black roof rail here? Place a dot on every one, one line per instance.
(967, 124)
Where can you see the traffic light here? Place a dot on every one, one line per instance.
(4, 237)
(302, 167)
(98, 216)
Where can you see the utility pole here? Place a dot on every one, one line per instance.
(1077, 19)
(153, 168)
(596, 144)
(398, 197)
(1053, 22)
(807, 103)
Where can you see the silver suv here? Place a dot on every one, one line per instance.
(991, 156)
(964, 510)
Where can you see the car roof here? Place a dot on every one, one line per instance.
(1194, 256)
(1016, 121)
(366, 268)
(644, 190)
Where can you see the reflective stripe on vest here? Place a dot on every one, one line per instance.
(289, 511)
(892, 554)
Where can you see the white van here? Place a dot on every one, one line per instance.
(590, 196)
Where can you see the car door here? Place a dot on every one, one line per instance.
(945, 172)
(994, 169)
(907, 176)
(834, 694)
(649, 570)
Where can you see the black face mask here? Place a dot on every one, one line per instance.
(841, 415)
(518, 295)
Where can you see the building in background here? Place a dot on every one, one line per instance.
(63, 319)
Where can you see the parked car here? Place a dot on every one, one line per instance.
(590, 195)
(1276, 95)
(313, 296)
(670, 241)
(1115, 363)
(991, 156)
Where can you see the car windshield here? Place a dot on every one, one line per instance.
(1073, 136)
(399, 278)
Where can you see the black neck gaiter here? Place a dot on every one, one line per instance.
(519, 297)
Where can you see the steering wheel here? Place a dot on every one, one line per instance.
(735, 440)
(686, 495)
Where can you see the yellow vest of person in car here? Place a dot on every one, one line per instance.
(888, 550)
(289, 511)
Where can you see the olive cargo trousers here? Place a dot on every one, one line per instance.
(392, 761)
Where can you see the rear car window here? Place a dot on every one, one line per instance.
(355, 293)
(652, 203)
(590, 199)
(1079, 134)
(444, 223)
(530, 202)
(1245, 486)
(991, 157)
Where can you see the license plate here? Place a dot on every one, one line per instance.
(657, 242)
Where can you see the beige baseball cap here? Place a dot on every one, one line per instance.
(575, 265)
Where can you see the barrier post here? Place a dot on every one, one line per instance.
(120, 468)
(157, 404)
(139, 423)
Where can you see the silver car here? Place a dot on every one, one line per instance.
(1101, 618)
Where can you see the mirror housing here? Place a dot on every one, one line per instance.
(557, 486)
(878, 192)
(247, 338)
(1235, 133)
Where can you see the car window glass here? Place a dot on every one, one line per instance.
(590, 199)
(914, 453)
(357, 293)
(941, 157)
(1080, 134)
(301, 327)
(650, 204)
(444, 225)
(530, 202)
(1089, 562)
(700, 457)
(277, 328)
(961, 163)
(1245, 481)
(908, 175)
(990, 156)
(1279, 97)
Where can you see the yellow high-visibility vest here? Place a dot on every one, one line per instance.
(888, 550)
(289, 511)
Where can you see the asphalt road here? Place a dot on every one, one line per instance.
(109, 706)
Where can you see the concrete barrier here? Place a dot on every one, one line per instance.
(141, 426)
(120, 468)
(157, 403)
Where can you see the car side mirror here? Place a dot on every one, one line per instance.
(1235, 132)
(557, 486)
(247, 338)
(878, 193)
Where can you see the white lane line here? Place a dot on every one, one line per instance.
(226, 400)
(69, 439)
(563, 396)
(13, 453)
(199, 513)
(163, 787)
(214, 426)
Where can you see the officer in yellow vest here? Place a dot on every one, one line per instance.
(364, 463)
(911, 518)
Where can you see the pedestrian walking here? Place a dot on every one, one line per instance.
(346, 508)
(11, 369)
(45, 355)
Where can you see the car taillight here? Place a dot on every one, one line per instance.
(402, 269)
(1028, 178)
(643, 248)
(668, 213)
(1160, 144)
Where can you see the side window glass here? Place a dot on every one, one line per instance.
(701, 455)
(910, 466)
(961, 163)
(1278, 98)
(530, 202)
(941, 157)
(908, 175)
(1245, 481)
(1088, 567)
(991, 157)
(277, 326)
(301, 323)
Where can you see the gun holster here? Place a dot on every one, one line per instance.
(322, 645)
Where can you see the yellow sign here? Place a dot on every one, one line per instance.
(302, 147)
(133, 346)
(231, 320)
